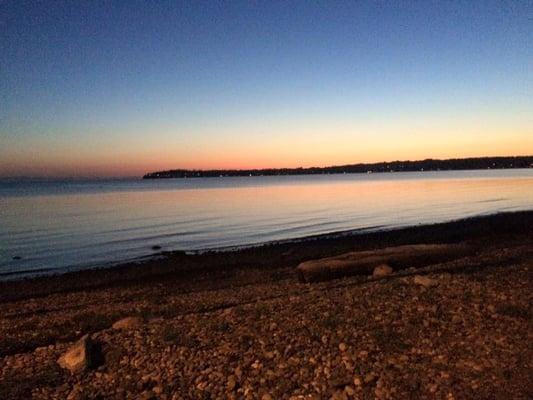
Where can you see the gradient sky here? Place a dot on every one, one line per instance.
(99, 88)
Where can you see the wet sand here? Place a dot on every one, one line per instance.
(240, 325)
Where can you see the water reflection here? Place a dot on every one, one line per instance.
(89, 228)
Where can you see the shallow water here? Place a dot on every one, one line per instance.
(70, 224)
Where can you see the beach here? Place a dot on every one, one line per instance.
(240, 324)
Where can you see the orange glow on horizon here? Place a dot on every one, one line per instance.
(140, 154)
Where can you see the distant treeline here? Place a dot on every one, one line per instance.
(393, 166)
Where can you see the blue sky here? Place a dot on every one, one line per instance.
(117, 88)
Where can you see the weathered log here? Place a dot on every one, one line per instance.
(364, 262)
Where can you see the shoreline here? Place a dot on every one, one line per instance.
(290, 251)
(241, 324)
(469, 163)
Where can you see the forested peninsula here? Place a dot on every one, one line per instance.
(393, 166)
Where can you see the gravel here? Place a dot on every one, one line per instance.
(260, 334)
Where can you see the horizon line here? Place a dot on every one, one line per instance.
(103, 177)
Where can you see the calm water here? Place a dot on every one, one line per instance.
(59, 225)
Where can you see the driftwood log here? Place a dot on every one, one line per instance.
(364, 262)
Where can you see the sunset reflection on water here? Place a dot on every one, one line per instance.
(89, 228)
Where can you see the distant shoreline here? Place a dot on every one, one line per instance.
(454, 164)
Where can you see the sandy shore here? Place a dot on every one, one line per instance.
(241, 325)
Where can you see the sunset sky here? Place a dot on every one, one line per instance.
(123, 88)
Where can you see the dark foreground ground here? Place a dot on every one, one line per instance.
(240, 325)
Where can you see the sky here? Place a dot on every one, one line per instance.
(121, 88)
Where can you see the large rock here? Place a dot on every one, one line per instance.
(128, 323)
(364, 262)
(79, 357)
(382, 270)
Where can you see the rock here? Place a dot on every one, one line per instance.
(156, 247)
(75, 394)
(17, 258)
(371, 377)
(128, 323)
(424, 281)
(380, 393)
(147, 395)
(79, 357)
(382, 270)
(339, 395)
(231, 383)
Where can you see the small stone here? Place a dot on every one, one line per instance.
(382, 270)
(74, 394)
(379, 393)
(79, 356)
(424, 281)
(339, 395)
(128, 323)
(370, 377)
(147, 395)
(231, 383)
